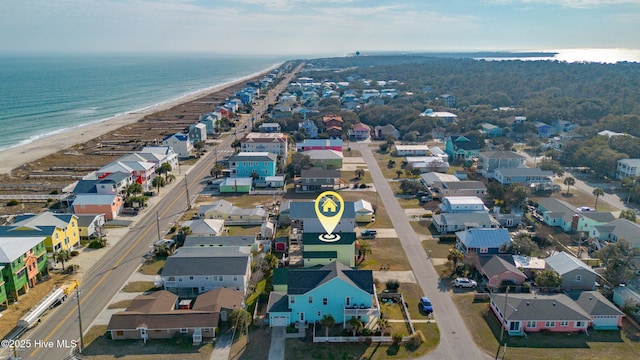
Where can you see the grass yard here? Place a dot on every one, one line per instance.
(256, 347)
(382, 217)
(352, 153)
(122, 304)
(598, 345)
(439, 249)
(383, 162)
(422, 227)
(580, 198)
(387, 252)
(350, 176)
(243, 230)
(247, 201)
(153, 266)
(139, 286)
(412, 293)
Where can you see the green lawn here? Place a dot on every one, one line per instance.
(597, 345)
(247, 201)
(579, 198)
(382, 217)
(438, 248)
(385, 252)
(350, 176)
(153, 266)
(422, 227)
(243, 230)
(139, 286)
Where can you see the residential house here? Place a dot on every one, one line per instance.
(461, 188)
(368, 93)
(91, 226)
(452, 222)
(160, 315)
(625, 296)
(411, 150)
(60, 231)
(319, 144)
(530, 265)
(425, 164)
(180, 144)
(23, 261)
(326, 159)
(448, 100)
(115, 183)
(236, 242)
(616, 230)
(317, 179)
(499, 270)
(304, 213)
(333, 125)
(211, 120)
(482, 241)
(588, 221)
(243, 164)
(197, 132)
(310, 128)
(141, 172)
(462, 148)
(232, 215)
(436, 151)
(3, 291)
(364, 211)
(489, 161)
(109, 205)
(525, 176)
(431, 178)
(194, 270)
(445, 116)
(318, 251)
(359, 132)
(386, 131)
(627, 167)
(205, 227)
(242, 185)
(556, 213)
(604, 315)
(491, 130)
(165, 154)
(463, 204)
(575, 274)
(270, 128)
(306, 295)
(527, 313)
(274, 143)
(544, 130)
(391, 93)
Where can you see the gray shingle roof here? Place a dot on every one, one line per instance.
(501, 155)
(204, 262)
(524, 307)
(622, 229)
(497, 265)
(318, 172)
(278, 302)
(463, 185)
(563, 263)
(599, 216)
(595, 303)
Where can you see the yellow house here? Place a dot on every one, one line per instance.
(61, 231)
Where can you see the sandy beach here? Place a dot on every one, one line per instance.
(18, 156)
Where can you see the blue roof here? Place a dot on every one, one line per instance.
(484, 238)
(180, 136)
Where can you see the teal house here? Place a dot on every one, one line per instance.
(304, 296)
(462, 148)
(243, 164)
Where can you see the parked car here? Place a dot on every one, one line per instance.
(465, 283)
(425, 305)
(368, 234)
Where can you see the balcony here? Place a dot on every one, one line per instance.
(361, 310)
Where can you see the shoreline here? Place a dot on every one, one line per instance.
(14, 157)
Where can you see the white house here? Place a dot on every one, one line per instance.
(180, 143)
(463, 204)
(205, 227)
(364, 211)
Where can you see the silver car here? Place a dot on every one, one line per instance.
(465, 283)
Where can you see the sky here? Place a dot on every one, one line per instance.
(315, 27)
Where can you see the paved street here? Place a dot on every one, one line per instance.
(456, 341)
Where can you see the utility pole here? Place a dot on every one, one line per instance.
(186, 187)
(158, 224)
(504, 320)
(79, 320)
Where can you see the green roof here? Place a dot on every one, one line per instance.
(279, 276)
(320, 254)
(314, 239)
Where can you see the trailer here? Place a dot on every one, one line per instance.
(56, 297)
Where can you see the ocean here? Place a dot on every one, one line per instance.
(45, 95)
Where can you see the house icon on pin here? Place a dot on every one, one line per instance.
(329, 206)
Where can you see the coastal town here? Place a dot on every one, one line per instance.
(192, 233)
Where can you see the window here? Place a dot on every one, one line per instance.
(235, 278)
(220, 278)
(184, 331)
(325, 301)
(119, 332)
(319, 314)
(484, 250)
(564, 323)
(310, 299)
(292, 299)
(550, 324)
(579, 324)
(578, 277)
(190, 277)
(531, 324)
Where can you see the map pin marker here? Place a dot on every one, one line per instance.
(329, 208)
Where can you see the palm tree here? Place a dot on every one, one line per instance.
(455, 255)
(170, 178)
(327, 322)
(597, 192)
(158, 182)
(398, 172)
(364, 250)
(217, 170)
(359, 173)
(164, 168)
(569, 181)
(61, 256)
(382, 325)
(391, 164)
(236, 144)
(355, 324)
(184, 232)
(133, 189)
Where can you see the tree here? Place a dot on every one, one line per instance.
(398, 173)
(569, 181)
(548, 279)
(254, 175)
(628, 214)
(455, 256)
(170, 178)
(327, 323)
(597, 192)
(133, 189)
(355, 324)
(409, 187)
(158, 182)
(552, 165)
(236, 144)
(382, 325)
(183, 233)
(616, 258)
(359, 173)
(61, 256)
(520, 193)
(239, 318)
(298, 162)
(364, 250)
(391, 164)
(216, 170)
(164, 168)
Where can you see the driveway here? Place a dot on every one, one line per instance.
(276, 350)
(456, 341)
(222, 347)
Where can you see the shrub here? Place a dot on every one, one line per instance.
(13, 202)
(173, 229)
(54, 192)
(447, 238)
(74, 253)
(396, 337)
(416, 339)
(427, 215)
(392, 284)
(97, 244)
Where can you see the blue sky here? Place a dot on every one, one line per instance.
(314, 27)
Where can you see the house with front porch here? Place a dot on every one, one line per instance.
(61, 231)
(317, 179)
(448, 222)
(180, 143)
(525, 176)
(142, 172)
(462, 148)
(164, 154)
(304, 296)
(489, 161)
(23, 261)
(526, 313)
(483, 241)
(91, 226)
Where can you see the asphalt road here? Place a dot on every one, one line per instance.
(456, 341)
(108, 275)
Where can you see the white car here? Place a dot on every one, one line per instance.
(465, 283)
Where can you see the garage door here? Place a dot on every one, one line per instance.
(605, 321)
(279, 321)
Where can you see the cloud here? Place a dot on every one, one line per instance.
(576, 4)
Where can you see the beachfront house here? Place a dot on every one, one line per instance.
(109, 205)
(61, 231)
(91, 226)
(165, 154)
(141, 172)
(180, 143)
(23, 261)
(197, 132)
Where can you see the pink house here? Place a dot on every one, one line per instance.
(109, 205)
(532, 313)
(360, 131)
(498, 270)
